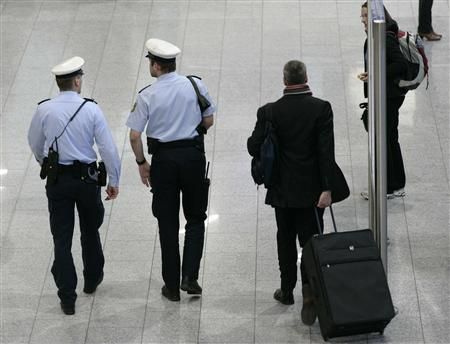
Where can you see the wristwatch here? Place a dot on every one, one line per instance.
(142, 162)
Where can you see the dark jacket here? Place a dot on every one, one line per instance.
(396, 67)
(304, 127)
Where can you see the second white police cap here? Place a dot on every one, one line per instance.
(161, 50)
(69, 68)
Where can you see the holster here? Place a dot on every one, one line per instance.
(43, 172)
(152, 145)
(101, 176)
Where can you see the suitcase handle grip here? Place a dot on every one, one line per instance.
(332, 218)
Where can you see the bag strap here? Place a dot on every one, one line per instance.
(332, 218)
(194, 84)
(70, 120)
(269, 119)
(269, 113)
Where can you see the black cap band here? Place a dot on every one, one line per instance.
(160, 59)
(70, 75)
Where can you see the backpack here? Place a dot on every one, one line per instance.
(262, 167)
(413, 51)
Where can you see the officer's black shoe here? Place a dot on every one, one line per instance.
(286, 298)
(170, 294)
(89, 288)
(68, 308)
(191, 286)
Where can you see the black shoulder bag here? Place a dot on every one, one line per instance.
(263, 167)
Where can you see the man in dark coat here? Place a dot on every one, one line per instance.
(302, 183)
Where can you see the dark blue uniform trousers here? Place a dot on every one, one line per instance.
(174, 171)
(63, 196)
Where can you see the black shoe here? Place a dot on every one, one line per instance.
(191, 286)
(169, 294)
(286, 298)
(89, 288)
(68, 308)
(308, 312)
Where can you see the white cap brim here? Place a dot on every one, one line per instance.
(162, 49)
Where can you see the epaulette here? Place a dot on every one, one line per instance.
(194, 76)
(144, 88)
(90, 100)
(43, 101)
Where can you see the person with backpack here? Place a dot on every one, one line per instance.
(303, 177)
(396, 69)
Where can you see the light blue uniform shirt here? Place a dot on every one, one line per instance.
(169, 108)
(88, 127)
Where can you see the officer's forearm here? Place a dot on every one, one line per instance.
(207, 122)
(136, 145)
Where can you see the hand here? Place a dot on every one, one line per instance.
(144, 172)
(363, 76)
(112, 192)
(324, 199)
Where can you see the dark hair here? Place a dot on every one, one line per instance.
(391, 24)
(166, 67)
(66, 84)
(294, 72)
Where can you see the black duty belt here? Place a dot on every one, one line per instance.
(178, 144)
(75, 167)
(155, 145)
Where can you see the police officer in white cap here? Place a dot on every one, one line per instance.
(174, 118)
(61, 135)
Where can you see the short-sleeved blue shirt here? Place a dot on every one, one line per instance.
(168, 110)
(88, 127)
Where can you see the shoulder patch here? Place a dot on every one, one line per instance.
(43, 101)
(193, 76)
(90, 100)
(144, 88)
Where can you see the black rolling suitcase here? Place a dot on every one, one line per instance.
(351, 292)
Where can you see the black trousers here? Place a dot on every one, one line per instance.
(294, 224)
(175, 171)
(396, 178)
(63, 196)
(425, 25)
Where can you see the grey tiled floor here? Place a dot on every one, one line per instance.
(239, 48)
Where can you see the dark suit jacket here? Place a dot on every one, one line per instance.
(304, 126)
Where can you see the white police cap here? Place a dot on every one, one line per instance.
(161, 50)
(69, 68)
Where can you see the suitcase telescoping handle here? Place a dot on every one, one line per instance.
(332, 218)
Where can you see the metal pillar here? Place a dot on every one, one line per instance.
(377, 126)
